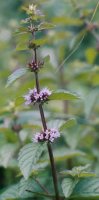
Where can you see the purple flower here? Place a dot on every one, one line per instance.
(34, 97)
(48, 135)
(35, 66)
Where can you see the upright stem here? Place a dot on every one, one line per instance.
(54, 174)
(53, 168)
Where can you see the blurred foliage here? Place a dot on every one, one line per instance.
(79, 73)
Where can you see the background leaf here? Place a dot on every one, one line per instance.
(15, 75)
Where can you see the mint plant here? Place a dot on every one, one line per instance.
(76, 183)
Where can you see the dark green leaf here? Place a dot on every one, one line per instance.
(87, 188)
(68, 185)
(28, 157)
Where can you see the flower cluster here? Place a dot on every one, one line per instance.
(34, 66)
(33, 10)
(34, 97)
(48, 135)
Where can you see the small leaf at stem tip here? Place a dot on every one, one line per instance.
(64, 95)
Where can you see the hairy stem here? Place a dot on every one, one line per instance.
(53, 168)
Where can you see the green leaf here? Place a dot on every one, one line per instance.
(45, 25)
(28, 157)
(63, 20)
(10, 193)
(63, 95)
(21, 30)
(46, 59)
(40, 166)
(19, 101)
(18, 191)
(25, 185)
(90, 101)
(64, 153)
(68, 185)
(22, 47)
(67, 124)
(7, 152)
(15, 75)
(39, 41)
(79, 172)
(87, 188)
(91, 54)
(22, 42)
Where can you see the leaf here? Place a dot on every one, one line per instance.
(6, 153)
(19, 101)
(25, 185)
(39, 41)
(90, 101)
(15, 75)
(28, 157)
(68, 185)
(63, 20)
(22, 47)
(21, 30)
(68, 123)
(79, 172)
(46, 59)
(10, 193)
(40, 166)
(91, 54)
(87, 188)
(22, 42)
(45, 25)
(63, 95)
(64, 153)
(18, 191)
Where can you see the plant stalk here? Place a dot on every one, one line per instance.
(52, 162)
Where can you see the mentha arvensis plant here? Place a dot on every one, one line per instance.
(32, 156)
